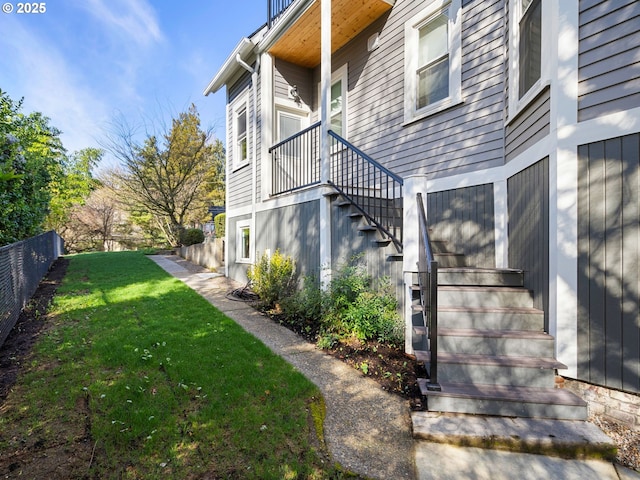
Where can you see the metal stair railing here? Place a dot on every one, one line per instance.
(295, 161)
(373, 190)
(428, 281)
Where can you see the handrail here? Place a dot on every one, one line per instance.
(428, 280)
(372, 189)
(293, 137)
(295, 161)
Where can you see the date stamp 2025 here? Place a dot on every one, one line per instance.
(25, 8)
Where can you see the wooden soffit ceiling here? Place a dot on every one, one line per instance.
(300, 43)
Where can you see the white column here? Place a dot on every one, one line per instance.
(325, 166)
(501, 220)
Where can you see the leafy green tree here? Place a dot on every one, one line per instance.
(168, 174)
(72, 186)
(30, 155)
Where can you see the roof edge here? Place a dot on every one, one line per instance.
(229, 67)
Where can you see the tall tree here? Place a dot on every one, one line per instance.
(30, 154)
(71, 187)
(168, 174)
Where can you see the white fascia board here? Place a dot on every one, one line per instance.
(229, 67)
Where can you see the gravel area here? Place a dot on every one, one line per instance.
(627, 440)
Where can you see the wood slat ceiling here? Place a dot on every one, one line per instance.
(300, 44)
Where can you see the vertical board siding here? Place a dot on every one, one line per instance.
(530, 126)
(348, 242)
(528, 231)
(609, 67)
(464, 218)
(294, 231)
(609, 263)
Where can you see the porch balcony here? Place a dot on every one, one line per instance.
(373, 190)
(296, 26)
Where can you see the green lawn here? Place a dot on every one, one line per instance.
(164, 385)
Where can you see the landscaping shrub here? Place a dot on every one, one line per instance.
(219, 224)
(191, 236)
(272, 278)
(353, 305)
(359, 307)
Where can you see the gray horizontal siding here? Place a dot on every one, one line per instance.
(238, 181)
(609, 67)
(287, 75)
(530, 126)
(609, 263)
(464, 219)
(528, 207)
(462, 138)
(294, 231)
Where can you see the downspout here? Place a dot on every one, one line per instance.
(254, 123)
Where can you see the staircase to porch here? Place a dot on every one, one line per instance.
(483, 342)
(492, 356)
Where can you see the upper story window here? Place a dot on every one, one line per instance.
(433, 59)
(530, 49)
(240, 150)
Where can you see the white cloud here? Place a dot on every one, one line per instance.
(38, 71)
(134, 18)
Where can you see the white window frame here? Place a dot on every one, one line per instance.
(240, 105)
(341, 74)
(516, 104)
(291, 109)
(241, 226)
(411, 45)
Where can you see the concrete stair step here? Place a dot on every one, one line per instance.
(508, 370)
(469, 296)
(507, 401)
(495, 342)
(480, 277)
(550, 437)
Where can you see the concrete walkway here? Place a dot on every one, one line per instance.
(367, 430)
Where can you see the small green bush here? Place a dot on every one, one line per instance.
(191, 236)
(219, 224)
(357, 306)
(272, 278)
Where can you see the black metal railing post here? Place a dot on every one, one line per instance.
(428, 280)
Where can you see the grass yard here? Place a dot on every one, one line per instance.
(137, 376)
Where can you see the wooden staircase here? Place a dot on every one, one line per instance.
(494, 357)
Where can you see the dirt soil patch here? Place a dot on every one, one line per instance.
(32, 454)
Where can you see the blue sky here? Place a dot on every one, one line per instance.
(86, 63)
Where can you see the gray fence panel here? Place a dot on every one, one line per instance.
(22, 267)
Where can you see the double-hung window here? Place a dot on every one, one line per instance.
(432, 59)
(240, 149)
